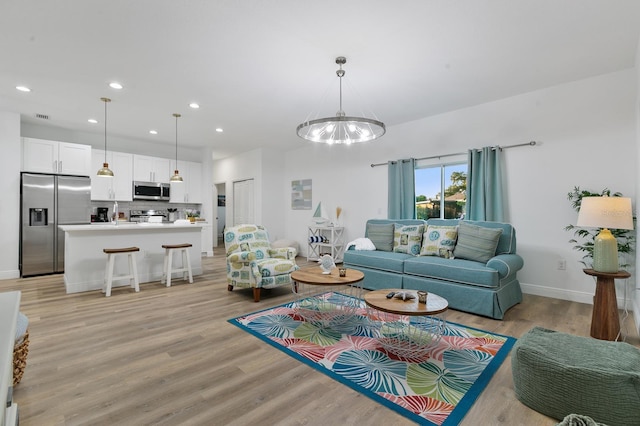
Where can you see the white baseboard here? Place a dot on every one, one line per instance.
(580, 297)
(6, 275)
(555, 293)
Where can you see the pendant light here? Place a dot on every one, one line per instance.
(105, 171)
(341, 128)
(176, 175)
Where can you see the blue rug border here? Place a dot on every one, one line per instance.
(456, 416)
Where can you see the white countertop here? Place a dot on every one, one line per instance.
(110, 227)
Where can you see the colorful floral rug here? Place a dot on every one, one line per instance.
(438, 388)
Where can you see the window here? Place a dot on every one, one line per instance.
(432, 182)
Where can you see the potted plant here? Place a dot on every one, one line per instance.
(584, 237)
(192, 214)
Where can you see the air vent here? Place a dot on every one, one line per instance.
(42, 116)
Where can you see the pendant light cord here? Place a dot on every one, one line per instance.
(176, 115)
(105, 100)
(340, 74)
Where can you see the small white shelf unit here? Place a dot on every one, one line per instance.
(334, 245)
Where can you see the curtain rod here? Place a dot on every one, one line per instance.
(532, 143)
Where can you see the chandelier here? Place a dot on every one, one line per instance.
(341, 128)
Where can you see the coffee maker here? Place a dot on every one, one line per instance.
(103, 214)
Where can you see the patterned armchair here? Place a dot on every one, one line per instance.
(252, 263)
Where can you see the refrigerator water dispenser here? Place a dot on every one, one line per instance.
(38, 217)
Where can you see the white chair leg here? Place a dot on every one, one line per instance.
(188, 264)
(133, 264)
(164, 267)
(109, 282)
(169, 260)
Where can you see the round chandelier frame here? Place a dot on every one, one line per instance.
(341, 129)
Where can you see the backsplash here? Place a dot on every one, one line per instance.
(127, 206)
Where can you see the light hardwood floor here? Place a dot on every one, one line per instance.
(167, 356)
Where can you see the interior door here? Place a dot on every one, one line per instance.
(243, 202)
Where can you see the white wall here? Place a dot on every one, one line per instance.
(586, 131)
(636, 293)
(10, 190)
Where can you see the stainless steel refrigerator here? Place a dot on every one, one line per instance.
(46, 202)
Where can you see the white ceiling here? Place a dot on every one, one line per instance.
(258, 68)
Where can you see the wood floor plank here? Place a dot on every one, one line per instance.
(168, 356)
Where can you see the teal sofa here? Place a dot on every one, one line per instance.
(488, 288)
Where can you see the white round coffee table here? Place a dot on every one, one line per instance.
(327, 298)
(407, 328)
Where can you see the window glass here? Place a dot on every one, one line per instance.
(432, 182)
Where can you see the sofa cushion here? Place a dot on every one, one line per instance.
(455, 270)
(507, 241)
(381, 235)
(407, 238)
(439, 241)
(381, 260)
(476, 242)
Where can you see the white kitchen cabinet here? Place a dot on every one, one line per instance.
(45, 156)
(151, 169)
(116, 188)
(190, 190)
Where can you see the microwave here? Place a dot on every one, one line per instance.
(155, 191)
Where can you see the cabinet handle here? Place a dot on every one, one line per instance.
(55, 165)
(60, 166)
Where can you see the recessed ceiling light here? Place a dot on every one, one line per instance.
(219, 130)
(194, 105)
(153, 132)
(115, 85)
(92, 121)
(23, 88)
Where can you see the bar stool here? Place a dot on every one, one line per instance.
(133, 268)
(169, 249)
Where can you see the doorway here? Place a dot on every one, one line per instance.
(221, 213)
(243, 202)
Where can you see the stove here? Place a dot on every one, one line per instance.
(144, 215)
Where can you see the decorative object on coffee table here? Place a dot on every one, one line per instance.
(327, 264)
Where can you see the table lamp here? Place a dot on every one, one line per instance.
(605, 212)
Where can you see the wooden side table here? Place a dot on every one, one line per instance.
(605, 320)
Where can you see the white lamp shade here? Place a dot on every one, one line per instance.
(605, 212)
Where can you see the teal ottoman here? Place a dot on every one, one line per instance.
(558, 374)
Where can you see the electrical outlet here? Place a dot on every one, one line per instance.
(562, 264)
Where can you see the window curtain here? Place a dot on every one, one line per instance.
(402, 183)
(484, 185)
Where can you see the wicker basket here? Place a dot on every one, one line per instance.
(20, 352)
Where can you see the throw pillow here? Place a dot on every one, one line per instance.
(439, 241)
(407, 238)
(476, 242)
(381, 235)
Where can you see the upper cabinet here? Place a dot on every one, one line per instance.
(116, 188)
(44, 156)
(151, 169)
(190, 189)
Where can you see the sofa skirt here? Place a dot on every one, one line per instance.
(488, 302)
(378, 280)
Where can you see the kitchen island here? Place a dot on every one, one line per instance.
(85, 262)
